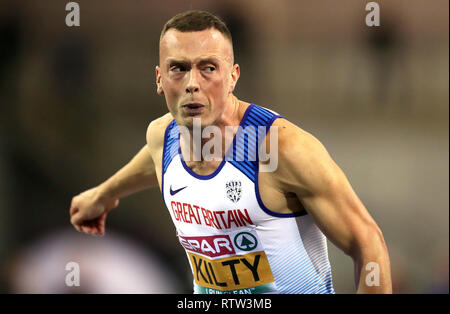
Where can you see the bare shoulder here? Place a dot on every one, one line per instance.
(293, 139)
(303, 161)
(156, 130)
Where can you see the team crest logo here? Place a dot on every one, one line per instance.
(234, 190)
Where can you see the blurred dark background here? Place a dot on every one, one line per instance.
(75, 103)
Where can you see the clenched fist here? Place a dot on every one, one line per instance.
(88, 211)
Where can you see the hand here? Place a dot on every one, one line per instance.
(88, 211)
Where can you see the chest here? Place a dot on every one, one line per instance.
(221, 186)
(217, 202)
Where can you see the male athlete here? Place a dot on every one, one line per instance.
(244, 230)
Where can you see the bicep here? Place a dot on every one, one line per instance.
(338, 212)
(326, 193)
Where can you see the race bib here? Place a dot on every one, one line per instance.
(229, 263)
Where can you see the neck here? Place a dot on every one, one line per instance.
(210, 142)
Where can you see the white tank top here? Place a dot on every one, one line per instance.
(233, 242)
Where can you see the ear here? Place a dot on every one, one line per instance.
(235, 73)
(159, 88)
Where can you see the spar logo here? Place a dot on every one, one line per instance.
(212, 246)
(220, 245)
(245, 241)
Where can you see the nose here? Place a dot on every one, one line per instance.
(192, 85)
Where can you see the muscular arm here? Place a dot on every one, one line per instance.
(140, 172)
(88, 210)
(135, 176)
(306, 169)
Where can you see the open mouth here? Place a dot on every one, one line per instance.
(193, 108)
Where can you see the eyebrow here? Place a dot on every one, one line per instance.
(174, 61)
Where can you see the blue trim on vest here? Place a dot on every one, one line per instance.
(196, 175)
(248, 140)
(164, 165)
(171, 144)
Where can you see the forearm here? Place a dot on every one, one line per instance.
(372, 267)
(135, 176)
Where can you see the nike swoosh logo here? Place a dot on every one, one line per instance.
(173, 192)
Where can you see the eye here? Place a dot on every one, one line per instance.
(178, 68)
(209, 69)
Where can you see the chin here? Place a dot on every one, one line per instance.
(189, 121)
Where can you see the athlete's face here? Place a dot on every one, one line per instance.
(196, 75)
